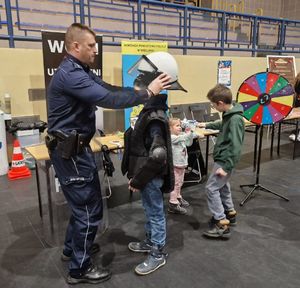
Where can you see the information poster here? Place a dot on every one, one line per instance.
(224, 72)
(283, 65)
(131, 52)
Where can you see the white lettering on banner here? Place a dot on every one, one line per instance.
(51, 71)
(97, 72)
(56, 46)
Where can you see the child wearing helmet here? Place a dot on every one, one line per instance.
(147, 159)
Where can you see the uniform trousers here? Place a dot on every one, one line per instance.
(80, 184)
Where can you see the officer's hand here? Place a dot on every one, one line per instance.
(159, 83)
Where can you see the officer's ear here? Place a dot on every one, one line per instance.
(75, 46)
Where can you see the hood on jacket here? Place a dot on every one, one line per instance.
(236, 109)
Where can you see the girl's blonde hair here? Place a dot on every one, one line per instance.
(172, 121)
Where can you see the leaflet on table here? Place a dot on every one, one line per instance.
(211, 130)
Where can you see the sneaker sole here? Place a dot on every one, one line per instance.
(139, 251)
(175, 212)
(146, 273)
(223, 236)
(73, 281)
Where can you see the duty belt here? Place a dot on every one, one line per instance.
(66, 144)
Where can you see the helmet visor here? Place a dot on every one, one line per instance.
(142, 65)
(176, 86)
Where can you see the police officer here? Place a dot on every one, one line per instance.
(73, 94)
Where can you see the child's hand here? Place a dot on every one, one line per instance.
(200, 135)
(201, 125)
(188, 130)
(132, 188)
(220, 172)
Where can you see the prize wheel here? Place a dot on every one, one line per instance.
(267, 98)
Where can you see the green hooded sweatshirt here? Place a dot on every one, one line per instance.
(228, 147)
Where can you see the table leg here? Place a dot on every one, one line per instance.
(38, 185)
(206, 154)
(296, 136)
(272, 140)
(278, 140)
(50, 209)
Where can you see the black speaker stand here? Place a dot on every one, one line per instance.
(258, 186)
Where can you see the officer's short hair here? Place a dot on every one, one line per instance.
(74, 33)
(220, 93)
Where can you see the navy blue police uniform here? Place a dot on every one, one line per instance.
(73, 94)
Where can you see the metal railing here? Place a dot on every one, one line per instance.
(185, 27)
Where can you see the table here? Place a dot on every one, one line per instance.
(40, 154)
(294, 115)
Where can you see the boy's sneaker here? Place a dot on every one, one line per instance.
(151, 264)
(218, 229)
(176, 209)
(183, 203)
(231, 216)
(142, 247)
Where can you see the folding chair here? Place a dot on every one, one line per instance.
(197, 112)
(195, 170)
(211, 117)
(176, 111)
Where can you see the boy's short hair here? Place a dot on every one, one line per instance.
(220, 93)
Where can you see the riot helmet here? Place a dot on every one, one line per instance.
(147, 68)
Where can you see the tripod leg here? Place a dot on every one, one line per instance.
(269, 191)
(247, 185)
(248, 195)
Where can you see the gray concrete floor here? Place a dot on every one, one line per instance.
(264, 250)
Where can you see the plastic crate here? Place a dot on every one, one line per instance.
(28, 137)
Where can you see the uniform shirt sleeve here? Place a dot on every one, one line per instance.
(81, 85)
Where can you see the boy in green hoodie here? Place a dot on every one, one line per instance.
(226, 154)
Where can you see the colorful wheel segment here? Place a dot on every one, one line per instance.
(267, 98)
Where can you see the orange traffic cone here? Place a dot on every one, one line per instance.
(18, 168)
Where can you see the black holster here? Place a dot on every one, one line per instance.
(67, 145)
(51, 142)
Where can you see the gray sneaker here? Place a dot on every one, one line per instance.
(143, 246)
(218, 229)
(231, 216)
(183, 203)
(176, 209)
(151, 264)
